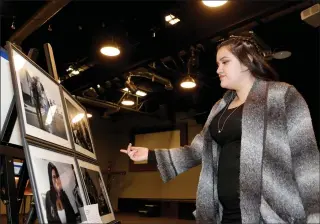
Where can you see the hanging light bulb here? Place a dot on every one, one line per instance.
(49, 28)
(188, 83)
(213, 3)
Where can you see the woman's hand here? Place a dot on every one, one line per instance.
(136, 153)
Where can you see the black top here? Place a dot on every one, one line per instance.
(229, 161)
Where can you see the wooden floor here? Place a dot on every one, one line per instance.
(132, 218)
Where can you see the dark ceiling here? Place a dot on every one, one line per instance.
(147, 43)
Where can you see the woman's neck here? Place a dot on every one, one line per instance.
(243, 91)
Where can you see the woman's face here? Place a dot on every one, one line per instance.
(56, 181)
(231, 72)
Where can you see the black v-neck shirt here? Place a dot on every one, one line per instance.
(229, 161)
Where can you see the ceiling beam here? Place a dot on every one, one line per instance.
(37, 20)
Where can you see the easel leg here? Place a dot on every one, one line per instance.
(32, 215)
(22, 183)
(8, 189)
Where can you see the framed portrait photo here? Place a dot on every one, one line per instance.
(79, 125)
(95, 190)
(58, 186)
(38, 100)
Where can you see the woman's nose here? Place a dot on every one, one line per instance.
(219, 70)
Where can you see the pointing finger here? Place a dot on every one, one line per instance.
(124, 151)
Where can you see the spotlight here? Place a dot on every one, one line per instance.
(127, 101)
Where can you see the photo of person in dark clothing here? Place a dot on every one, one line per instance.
(95, 190)
(42, 105)
(79, 127)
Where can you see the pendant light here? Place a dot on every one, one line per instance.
(213, 3)
(188, 82)
(110, 50)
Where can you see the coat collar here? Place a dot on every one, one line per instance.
(227, 97)
(252, 145)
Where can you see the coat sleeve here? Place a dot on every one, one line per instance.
(305, 153)
(172, 162)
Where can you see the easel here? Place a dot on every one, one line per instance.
(9, 193)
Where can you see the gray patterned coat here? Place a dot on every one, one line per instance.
(279, 160)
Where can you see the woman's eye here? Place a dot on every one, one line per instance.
(224, 62)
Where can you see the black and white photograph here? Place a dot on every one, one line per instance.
(79, 126)
(41, 102)
(95, 190)
(59, 186)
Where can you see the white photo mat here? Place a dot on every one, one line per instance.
(39, 158)
(24, 68)
(69, 100)
(7, 95)
(108, 217)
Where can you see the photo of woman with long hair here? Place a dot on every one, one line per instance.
(58, 206)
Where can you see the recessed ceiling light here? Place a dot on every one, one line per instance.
(172, 19)
(214, 3)
(110, 51)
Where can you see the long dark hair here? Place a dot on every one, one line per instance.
(50, 168)
(249, 54)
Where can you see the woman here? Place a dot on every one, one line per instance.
(58, 206)
(260, 134)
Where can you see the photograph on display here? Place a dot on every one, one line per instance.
(41, 102)
(95, 189)
(79, 126)
(58, 185)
